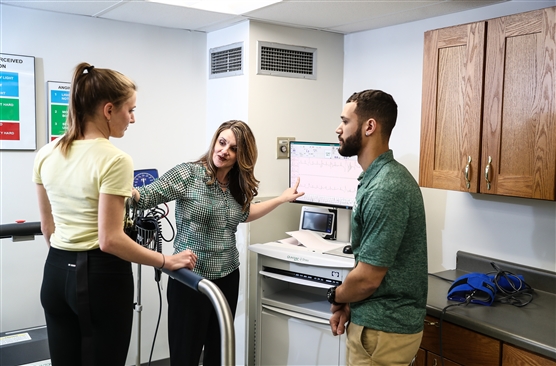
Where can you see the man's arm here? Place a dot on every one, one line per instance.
(360, 283)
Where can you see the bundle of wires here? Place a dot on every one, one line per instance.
(144, 227)
(501, 286)
(511, 288)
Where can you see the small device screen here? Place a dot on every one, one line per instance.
(317, 221)
(320, 220)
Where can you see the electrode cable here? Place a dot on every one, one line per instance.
(511, 289)
(146, 230)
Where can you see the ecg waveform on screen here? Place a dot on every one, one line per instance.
(326, 176)
(326, 167)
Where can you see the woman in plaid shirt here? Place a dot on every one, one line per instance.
(213, 196)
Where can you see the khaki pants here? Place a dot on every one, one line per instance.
(375, 348)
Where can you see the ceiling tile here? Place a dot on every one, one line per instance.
(341, 16)
(411, 15)
(163, 15)
(79, 7)
(327, 14)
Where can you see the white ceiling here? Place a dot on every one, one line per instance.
(340, 16)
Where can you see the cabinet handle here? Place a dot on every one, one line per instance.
(434, 324)
(435, 362)
(296, 315)
(467, 168)
(487, 171)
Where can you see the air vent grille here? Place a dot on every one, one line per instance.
(226, 61)
(286, 60)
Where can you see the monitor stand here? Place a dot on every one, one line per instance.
(343, 220)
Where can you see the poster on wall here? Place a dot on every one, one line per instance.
(17, 102)
(58, 100)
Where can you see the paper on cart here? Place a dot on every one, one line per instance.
(291, 240)
(312, 240)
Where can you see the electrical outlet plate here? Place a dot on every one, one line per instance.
(283, 147)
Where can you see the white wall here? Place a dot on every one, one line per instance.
(512, 229)
(227, 99)
(228, 96)
(288, 107)
(169, 67)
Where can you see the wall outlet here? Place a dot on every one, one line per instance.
(283, 147)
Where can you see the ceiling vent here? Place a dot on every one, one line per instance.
(284, 60)
(226, 61)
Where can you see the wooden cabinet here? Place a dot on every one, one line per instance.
(513, 356)
(460, 346)
(451, 107)
(489, 107)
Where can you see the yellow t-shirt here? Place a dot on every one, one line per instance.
(74, 184)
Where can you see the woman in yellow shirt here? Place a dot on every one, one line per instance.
(82, 182)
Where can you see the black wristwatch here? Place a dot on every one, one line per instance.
(331, 295)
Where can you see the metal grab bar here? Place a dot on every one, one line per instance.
(23, 231)
(221, 306)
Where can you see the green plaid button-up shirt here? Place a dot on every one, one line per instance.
(206, 217)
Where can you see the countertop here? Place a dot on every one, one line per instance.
(531, 327)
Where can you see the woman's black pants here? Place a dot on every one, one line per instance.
(88, 304)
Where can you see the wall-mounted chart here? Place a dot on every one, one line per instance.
(58, 100)
(17, 102)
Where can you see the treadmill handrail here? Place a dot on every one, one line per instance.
(23, 229)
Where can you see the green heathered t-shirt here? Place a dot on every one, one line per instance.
(389, 230)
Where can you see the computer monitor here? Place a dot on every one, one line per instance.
(327, 178)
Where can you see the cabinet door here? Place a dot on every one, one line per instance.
(519, 123)
(451, 107)
(290, 339)
(459, 344)
(512, 356)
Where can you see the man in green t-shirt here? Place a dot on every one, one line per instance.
(384, 296)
